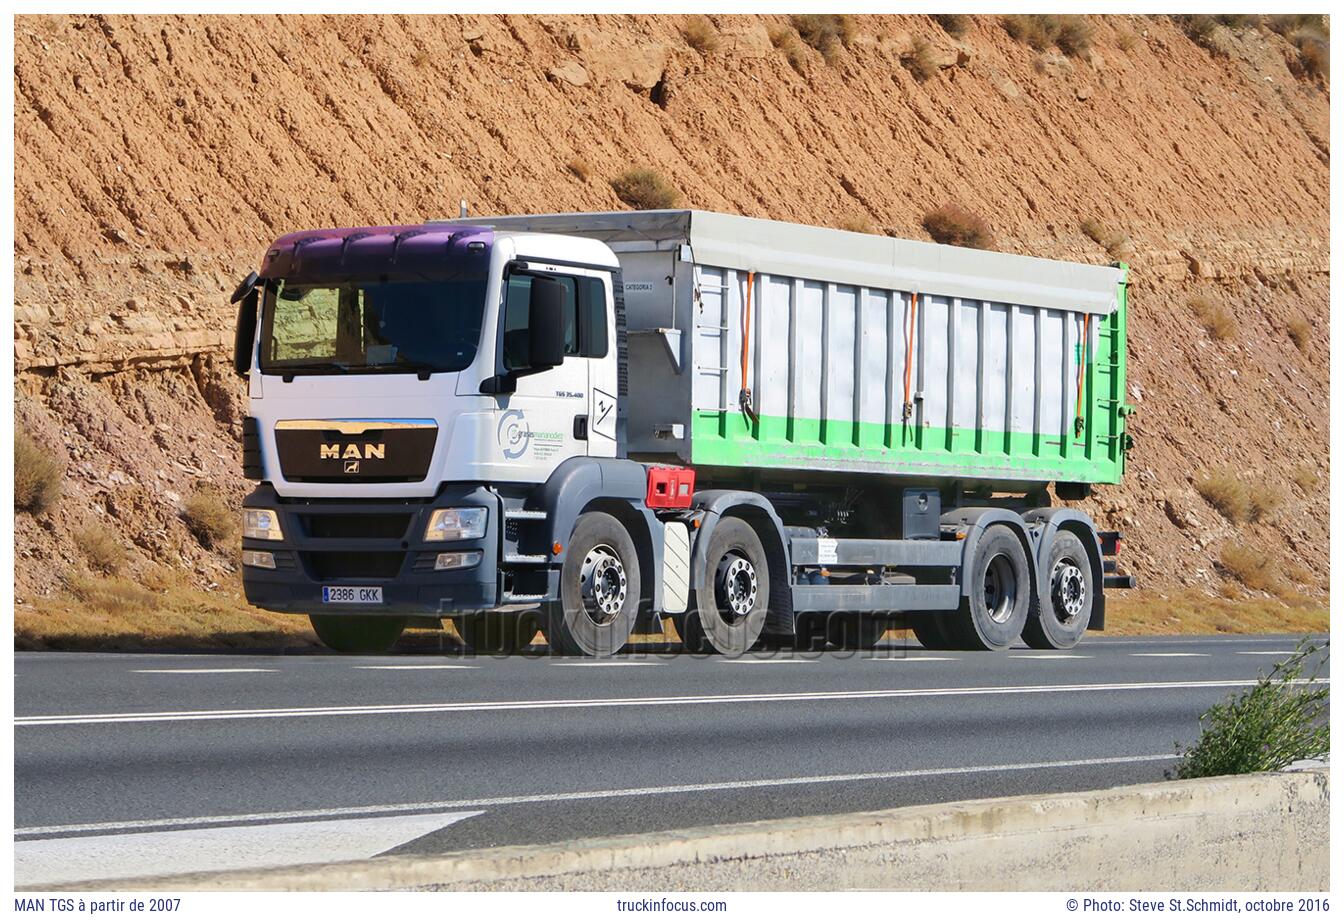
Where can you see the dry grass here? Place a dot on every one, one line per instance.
(786, 40)
(700, 34)
(212, 519)
(1203, 31)
(1036, 30)
(1313, 52)
(38, 473)
(827, 33)
(1306, 478)
(420, 60)
(1189, 611)
(857, 224)
(1126, 40)
(1255, 568)
(1217, 319)
(101, 548)
(1074, 36)
(1115, 242)
(1299, 330)
(579, 168)
(165, 612)
(954, 24)
(1227, 494)
(920, 61)
(1265, 498)
(644, 190)
(955, 225)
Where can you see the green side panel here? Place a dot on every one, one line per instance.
(1095, 454)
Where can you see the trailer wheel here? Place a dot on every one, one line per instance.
(357, 635)
(929, 629)
(728, 612)
(855, 632)
(992, 615)
(599, 590)
(1060, 622)
(498, 633)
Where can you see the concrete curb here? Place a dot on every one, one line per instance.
(1267, 831)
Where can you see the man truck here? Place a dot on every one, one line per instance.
(590, 423)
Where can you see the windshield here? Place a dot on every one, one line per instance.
(371, 326)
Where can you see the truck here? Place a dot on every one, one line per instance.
(767, 433)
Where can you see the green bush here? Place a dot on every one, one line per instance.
(1283, 718)
(37, 475)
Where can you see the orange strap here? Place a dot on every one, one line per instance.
(910, 353)
(746, 330)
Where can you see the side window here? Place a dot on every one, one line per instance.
(593, 325)
(517, 298)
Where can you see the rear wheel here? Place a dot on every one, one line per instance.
(599, 590)
(498, 633)
(994, 611)
(728, 612)
(357, 635)
(1062, 619)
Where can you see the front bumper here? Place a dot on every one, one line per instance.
(361, 543)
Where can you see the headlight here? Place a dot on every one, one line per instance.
(261, 525)
(456, 524)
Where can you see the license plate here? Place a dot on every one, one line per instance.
(344, 594)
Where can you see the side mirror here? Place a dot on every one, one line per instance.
(244, 333)
(546, 324)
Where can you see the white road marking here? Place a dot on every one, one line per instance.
(204, 671)
(1070, 656)
(55, 861)
(604, 664)
(122, 827)
(767, 661)
(199, 715)
(1288, 652)
(1168, 655)
(909, 658)
(415, 667)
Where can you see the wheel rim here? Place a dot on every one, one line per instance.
(1068, 590)
(735, 587)
(1000, 587)
(602, 584)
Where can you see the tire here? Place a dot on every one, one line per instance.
(992, 615)
(928, 629)
(498, 633)
(599, 590)
(728, 613)
(1062, 617)
(855, 632)
(357, 635)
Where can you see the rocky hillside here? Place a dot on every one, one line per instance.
(156, 156)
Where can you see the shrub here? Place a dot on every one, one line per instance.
(955, 225)
(1257, 569)
(210, 518)
(579, 168)
(644, 190)
(1306, 478)
(857, 224)
(1115, 242)
(1126, 40)
(111, 596)
(101, 548)
(1217, 319)
(1279, 720)
(1236, 21)
(700, 34)
(38, 473)
(825, 32)
(920, 61)
(1288, 23)
(1299, 330)
(1313, 52)
(1264, 501)
(786, 40)
(1036, 30)
(1074, 36)
(420, 59)
(954, 24)
(1227, 494)
(1203, 31)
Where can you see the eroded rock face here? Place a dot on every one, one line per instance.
(140, 202)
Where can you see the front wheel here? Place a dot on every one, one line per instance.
(357, 635)
(599, 590)
(728, 612)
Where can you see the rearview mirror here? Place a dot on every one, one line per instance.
(245, 333)
(546, 323)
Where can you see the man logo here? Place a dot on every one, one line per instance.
(352, 466)
(353, 452)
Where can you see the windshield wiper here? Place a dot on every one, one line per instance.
(328, 367)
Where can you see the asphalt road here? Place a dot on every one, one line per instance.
(151, 763)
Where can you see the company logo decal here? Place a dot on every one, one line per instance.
(365, 451)
(352, 466)
(513, 434)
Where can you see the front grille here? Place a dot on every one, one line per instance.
(325, 566)
(309, 452)
(356, 526)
